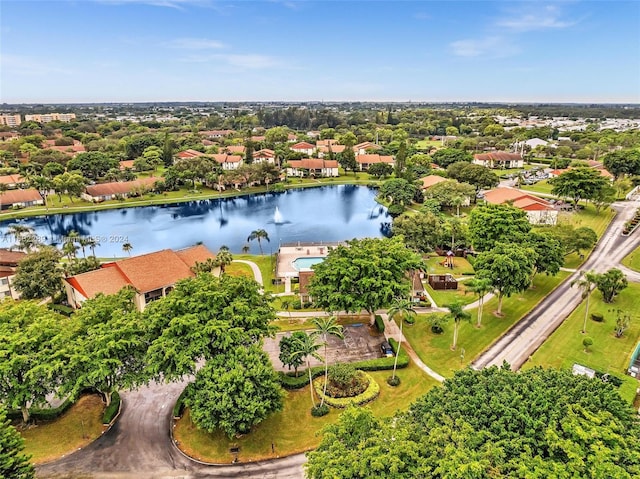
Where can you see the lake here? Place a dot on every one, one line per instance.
(327, 213)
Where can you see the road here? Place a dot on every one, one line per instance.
(526, 336)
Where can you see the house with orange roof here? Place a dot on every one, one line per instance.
(12, 181)
(365, 161)
(333, 148)
(234, 149)
(539, 211)
(316, 167)
(365, 147)
(214, 134)
(183, 155)
(327, 142)
(604, 173)
(304, 148)
(8, 264)
(499, 159)
(20, 199)
(116, 189)
(228, 162)
(264, 155)
(124, 164)
(152, 276)
(429, 181)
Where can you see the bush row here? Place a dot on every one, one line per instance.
(289, 381)
(46, 414)
(372, 392)
(379, 323)
(178, 408)
(111, 411)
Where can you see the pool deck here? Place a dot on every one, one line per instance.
(288, 254)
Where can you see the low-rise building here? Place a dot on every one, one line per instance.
(234, 149)
(12, 181)
(539, 211)
(304, 148)
(10, 120)
(8, 264)
(365, 161)
(20, 199)
(117, 189)
(313, 167)
(228, 162)
(429, 181)
(49, 117)
(499, 159)
(264, 155)
(152, 276)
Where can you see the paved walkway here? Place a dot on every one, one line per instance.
(257, 274)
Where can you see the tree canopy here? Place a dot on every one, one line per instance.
(448, 156)
(364, 274)
(477, 175)
(611, 283)
(490, 224)
(13, 463)
(490, 423)
(39, 274)
(580, 183)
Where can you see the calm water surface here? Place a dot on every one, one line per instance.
(329, 213)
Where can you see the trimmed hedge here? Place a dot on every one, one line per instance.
(597, 317)
(113, 408)
(379, 323)
(372, 392)
(319, 411)
(178, 407)
(47, 414)
(291, 382)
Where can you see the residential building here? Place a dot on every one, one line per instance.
(234, 149)
(116, 189)
(8, 264)
(264, 155)
(333, 148)
(8, 135)
(365, 147)
(364, 161)
(313, 167)
(49, 117)
(10, 120)
(213, 134)
(539, 211)
(183, 155)
(152, 276)
(228, 162)
(20, 199)
(429, 181)
(304, 148)
(499, 159)
(12, 181)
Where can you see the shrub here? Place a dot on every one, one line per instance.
(597, 317)
(379, 323)
(178, 407)
(320, 410)
(410, 319)
(289, 381)
(393, 381)
(296, 304)
(425, 304)
(437, 322)
(587, 342)
(113, 408)
(372, 392)
(345, 381)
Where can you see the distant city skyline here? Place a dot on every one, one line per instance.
(66, 51)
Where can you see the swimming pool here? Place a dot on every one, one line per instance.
(306, 262)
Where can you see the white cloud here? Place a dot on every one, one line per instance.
(535, 18)
(495, 47)
(195, 44)
(247, 61)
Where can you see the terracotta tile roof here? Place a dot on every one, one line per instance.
(19, 196)
(303, 145)
(126, 164)
(497, 156)
(257, 138)
(334, 149)
(119, 187)
(264, 153)
(224, 158)
(12, 179)
(327, 142)
(313, 163)
(145, 273)
(106, 280)
(366, 145)
(429, 181)
(238, 149)
(189, 154)
(530, 204)
(375, 158)
(520, 199)
(10, 258)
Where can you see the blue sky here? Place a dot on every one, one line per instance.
(208, 50)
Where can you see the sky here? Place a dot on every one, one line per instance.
(66, 51)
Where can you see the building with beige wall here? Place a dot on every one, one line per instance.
(10, 120)
(8, 264)
(47, 117)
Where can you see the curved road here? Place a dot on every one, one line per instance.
(526, 336)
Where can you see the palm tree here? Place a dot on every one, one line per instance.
(245, 249)
(43, 185)
(92, 242)
(326, 326)
(205, 267)
(18, 231)
(259, 235)
(585, 282)
(403, 308)
(286, 304)
(479, 286)
(306, 347)
(223, 258)
(457, 314)
(127, 247)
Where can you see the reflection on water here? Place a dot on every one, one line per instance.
(328, 213)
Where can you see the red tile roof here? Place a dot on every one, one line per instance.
(224, 158)
(366, 145)
(189, 154)
(264, 153)
(497, 156)
(303, 145)
(238, 149)
(375, 158)
(429, 181)
(12, 179)
(126, 164)
(520, 199)
(334, 148)
(19, 196)
(10, 258)
(119, 187)
(145, 273)
(313, 163)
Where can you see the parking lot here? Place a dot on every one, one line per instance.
(359, 344)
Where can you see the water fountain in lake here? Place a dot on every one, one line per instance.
(277, 217)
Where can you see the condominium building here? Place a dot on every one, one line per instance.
(47, 117)
(10, 120)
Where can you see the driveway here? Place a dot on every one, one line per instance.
(359, 344)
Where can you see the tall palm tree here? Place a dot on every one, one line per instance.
(479, 286)
(259, 235)
(224, 258)
(43, 185)
(92, 242)
(585, 282)
(403, 308)
(286, 304)
(127, 247)
(327, 326)
(457, 314)
(306, 347)
(245, 249)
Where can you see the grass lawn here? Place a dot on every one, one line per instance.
(298, 324)
(460, 266)
(267, 265)
(80, 425)
(239, 269)
(633, 260)
(434, 349)
(294, 430)
(541, 186)
(442, 297)
(428, 144)
(608, 353)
